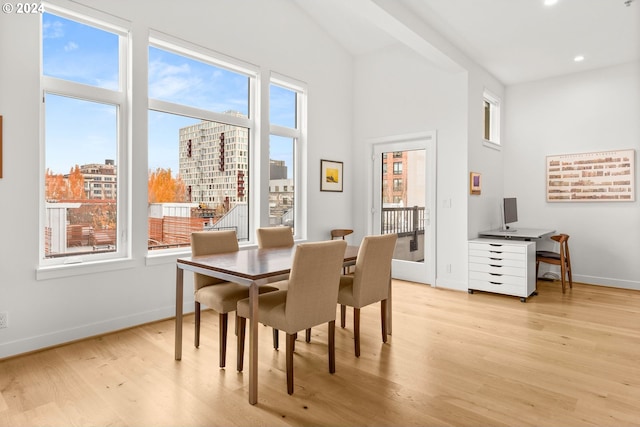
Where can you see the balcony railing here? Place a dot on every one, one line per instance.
(403, 221)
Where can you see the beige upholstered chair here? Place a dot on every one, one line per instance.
(214, 293)
(561, 258)
(309, 300)
(275, 237)
(369, 283)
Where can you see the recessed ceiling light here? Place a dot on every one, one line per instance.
(550, 2)
(579, 58)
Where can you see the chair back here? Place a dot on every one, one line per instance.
(210, 243)
(373, 269)
(340, 233)
(563, 240)
(275, 237)
(314, 281)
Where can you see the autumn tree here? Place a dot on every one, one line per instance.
(75, 182)
(59, 187)
(163, 187)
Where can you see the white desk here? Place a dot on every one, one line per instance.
(518, 233)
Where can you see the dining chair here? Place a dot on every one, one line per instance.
(369, 283)
(276, 237)
(309, 300)
(340, 233)
(217, 294)
(561, 258)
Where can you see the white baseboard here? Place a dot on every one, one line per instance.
(41, 342)
(605, 281)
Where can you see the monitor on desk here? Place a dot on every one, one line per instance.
(509, 211)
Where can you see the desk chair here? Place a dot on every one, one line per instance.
(309, 300)
(562, 258)
(369, 283)
(217, 294)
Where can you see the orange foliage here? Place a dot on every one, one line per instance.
(58, 187)
(162, 187)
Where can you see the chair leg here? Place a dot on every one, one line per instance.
(241, 326)
(356, 330)
(291, 339)
(332, 347)
(307, 335)
(537, 265)
(276, 338)
(196, 338)
(569, 274)
(343, 315)
(223, 338)
(562, 273)
(383, 319)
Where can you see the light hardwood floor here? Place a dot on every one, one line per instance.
(453, 359)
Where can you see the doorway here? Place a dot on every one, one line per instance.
(404, 183)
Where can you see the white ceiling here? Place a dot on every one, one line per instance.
(515, 40)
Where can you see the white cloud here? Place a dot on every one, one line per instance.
(52, 30)
(71, 46)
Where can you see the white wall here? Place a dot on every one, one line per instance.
(399, 92)
(584, 112)
(275, 35)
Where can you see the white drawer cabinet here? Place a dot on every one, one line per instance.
(502, 266)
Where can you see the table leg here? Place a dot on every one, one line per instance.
(179, 304)
(253, 344)
(389, 305)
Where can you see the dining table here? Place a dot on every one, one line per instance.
(251, 267)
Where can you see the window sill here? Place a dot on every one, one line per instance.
(492, 145)
(69, 270)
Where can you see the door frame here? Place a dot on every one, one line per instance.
(420, 140)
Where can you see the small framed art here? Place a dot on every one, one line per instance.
(331, 178)
(474, 183)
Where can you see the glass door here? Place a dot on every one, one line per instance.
(404, 191)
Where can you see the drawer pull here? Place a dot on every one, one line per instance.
(495, 259)
(495, 252)
(495, 283)
(494, 265)
(495, 274)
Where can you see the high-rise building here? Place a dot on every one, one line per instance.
(214, 163)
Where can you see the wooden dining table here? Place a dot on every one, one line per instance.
(252, 268)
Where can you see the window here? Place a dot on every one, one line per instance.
(83, 77)
(397, 184)
(397, 168)
(199, 144)
(286, 99)
(491, 128)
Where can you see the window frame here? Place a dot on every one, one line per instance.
(298, 136)
(216, 59)
(120, 98)
(493, 121)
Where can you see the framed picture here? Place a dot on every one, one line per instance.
(331, 178)
(474, 183)
(602, 176)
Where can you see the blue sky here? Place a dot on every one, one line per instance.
(87, 55)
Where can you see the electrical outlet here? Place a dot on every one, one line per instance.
(4, 320)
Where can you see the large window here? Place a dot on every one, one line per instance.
(85, 186)
(200, 131)
(285, 106)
